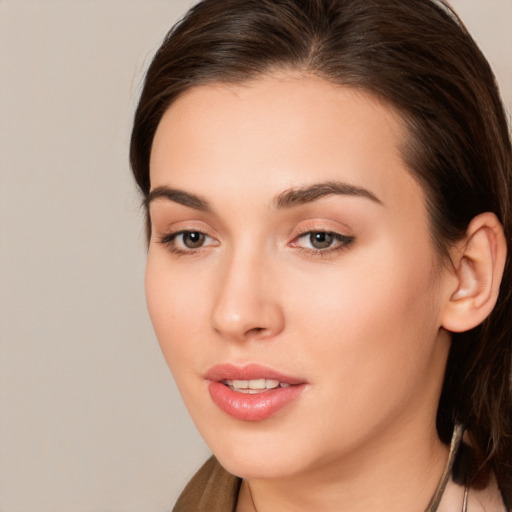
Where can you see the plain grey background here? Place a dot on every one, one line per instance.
(90, 420)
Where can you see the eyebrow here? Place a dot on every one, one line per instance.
(287, 199)
(178, 196)
(310, 193)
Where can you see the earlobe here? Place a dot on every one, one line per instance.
(478, 265)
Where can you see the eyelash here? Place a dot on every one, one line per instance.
(169, 241)
(343, 242)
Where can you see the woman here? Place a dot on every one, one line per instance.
(327, 185)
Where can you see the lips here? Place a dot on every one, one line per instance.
(252, 392)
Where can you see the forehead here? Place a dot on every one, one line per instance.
(279, 132)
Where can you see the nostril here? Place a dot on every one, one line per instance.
(254, 331)
(245, 312)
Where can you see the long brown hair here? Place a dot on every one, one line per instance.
(417, 56)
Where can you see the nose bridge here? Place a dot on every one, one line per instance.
(246, 302)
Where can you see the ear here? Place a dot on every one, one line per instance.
(478, 263)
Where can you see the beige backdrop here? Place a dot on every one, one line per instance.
(90, 420)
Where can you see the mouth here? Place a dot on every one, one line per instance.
(252, 392)
(254, 386)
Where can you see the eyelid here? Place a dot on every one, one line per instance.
(167, 227)
(169, 241)
(168, 235)
(343, 237)
(343, 241)
(322, 225)
(172, 235)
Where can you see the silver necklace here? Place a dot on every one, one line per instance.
(458, 432)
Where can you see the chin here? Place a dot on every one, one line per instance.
(260, 456)
(261, 467)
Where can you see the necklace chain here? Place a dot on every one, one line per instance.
(458, 432)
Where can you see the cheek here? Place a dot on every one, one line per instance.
(176, 307)
(374, 322)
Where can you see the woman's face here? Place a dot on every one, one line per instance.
(290, 251)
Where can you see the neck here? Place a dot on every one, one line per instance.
(399, 473)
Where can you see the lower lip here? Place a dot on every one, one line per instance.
(253, 407)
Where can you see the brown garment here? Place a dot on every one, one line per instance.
(212, 489)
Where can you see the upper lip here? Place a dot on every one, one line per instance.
(222, 372)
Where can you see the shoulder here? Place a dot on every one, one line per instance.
(486, 500)
(211, 489)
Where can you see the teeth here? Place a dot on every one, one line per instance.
(254, 385)
(257, 384)
(271, 383)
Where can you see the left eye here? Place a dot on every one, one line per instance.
(322, 240)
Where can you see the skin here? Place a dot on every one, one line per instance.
(360, 321)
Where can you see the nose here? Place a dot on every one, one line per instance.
(247, 304)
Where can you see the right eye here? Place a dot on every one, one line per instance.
(183, 242)
(192, 239)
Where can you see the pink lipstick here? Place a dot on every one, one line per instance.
(252, 392)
